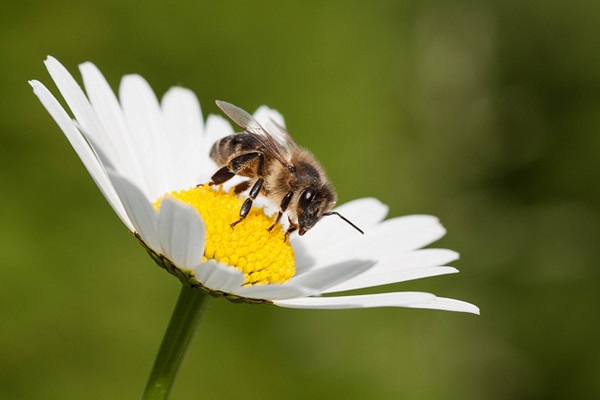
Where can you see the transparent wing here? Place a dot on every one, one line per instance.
(274, 138)
(280, 134)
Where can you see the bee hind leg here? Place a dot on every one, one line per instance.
(247, 206)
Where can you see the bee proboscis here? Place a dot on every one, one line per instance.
(277, 168)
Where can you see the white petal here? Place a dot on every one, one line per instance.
(83, 150)
(182, 233)
(411, 232)
(399, 299)
(141, 213)
(393, 236)
(420, 258)
(442, 303)
(115, 140)
(75, 98)
(217, 276)
(392, 268)
(184, 125)
(273, 292)
(216, 128)
(264, 115)
(405, 233)
(87, 120)
(145, 125)
(385, 278)
(332, 275)
(308, 284)
(364, 213)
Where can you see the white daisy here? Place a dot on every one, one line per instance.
(145, 155)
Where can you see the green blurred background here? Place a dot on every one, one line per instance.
(484, 113)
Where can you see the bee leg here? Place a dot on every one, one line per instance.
(240, 162)
(293, 227)
(235, 165)
(222, 175)
(241, 187)
(247, 206)
(282, 207)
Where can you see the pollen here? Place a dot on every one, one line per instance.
(262, 255)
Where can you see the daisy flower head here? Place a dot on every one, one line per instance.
(151, 161)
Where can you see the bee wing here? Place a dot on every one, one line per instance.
(275, 139)
(281, 134)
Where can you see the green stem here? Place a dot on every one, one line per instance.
(190, 307)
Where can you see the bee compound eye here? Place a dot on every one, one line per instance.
(306, 197)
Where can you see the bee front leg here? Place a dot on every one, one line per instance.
(282, 207)
(221, 176)
(247, 206)
(293, 227)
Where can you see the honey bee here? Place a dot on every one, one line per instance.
(277, 168)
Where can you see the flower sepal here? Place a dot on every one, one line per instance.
(186, 277)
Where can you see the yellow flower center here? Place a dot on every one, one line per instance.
(263, 256)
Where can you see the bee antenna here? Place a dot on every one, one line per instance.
(345, 219)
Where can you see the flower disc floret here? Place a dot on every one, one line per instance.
(262, 255)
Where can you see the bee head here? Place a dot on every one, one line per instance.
(316, 203)
(312, 204)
